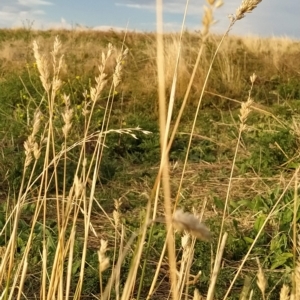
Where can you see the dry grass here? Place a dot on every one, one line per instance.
(75, 205)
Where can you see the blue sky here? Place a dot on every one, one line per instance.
(270, 18)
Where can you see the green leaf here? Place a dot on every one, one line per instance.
(280, 260)
(75, 267)
(248, 240)
(218, 203)
(259, 222)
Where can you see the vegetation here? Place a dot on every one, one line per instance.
(97, 167)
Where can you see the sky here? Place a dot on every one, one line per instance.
(270, 18)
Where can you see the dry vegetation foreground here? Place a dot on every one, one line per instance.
(80, 153)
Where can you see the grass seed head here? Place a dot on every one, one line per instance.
(261, 280)
(103, 259)
(253, 78)
(285, 293)
(119, 67)
(42, 67)
(36, 151)
(36, 122)
(79, 186)
(245, 110)
(187, 221)
(207, 20)
(246, 7)
(197, 295)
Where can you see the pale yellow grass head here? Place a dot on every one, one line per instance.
(246, 7)
(190, 223)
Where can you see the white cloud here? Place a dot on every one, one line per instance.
(15, 13)
(175, 7)
(136, 6)
(34, 2)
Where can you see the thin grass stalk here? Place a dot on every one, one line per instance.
(118, 243)
(183, 105)
(154, 280)
(4, 258)
(13, 287)
(60, 254)
(10, 249)
(260, 110)
(163, 142)
(217, 264)
(23, 276)
(197, 110)
(191, 257)
(188, 269)
(118, 265)
(184, 264)
(87, 218)
(116, 81)
(95, 93)
(148, 248)
(118, 271)
(44, 199)
(244, 111)
(70, 261)
(50, 146)
(260, 231)
(174, 81)
(97, 156)
(296, 274)
(170, 111)
(131, 278)
(295, 239)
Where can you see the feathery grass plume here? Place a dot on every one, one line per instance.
(30, 145)
(57, 65)
(43, 68)
(116, 212)
(208, 18)
(246, 106)
(285, 293)
(245, 111)
(197, 295)
(103, 259)
(119, 67)
(185, 263)
(101, 79)
(187, 221)
(261, 280)
(67, 115)
(36, 151)
(79, 186)
(246, 7)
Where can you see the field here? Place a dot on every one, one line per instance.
(94, 164)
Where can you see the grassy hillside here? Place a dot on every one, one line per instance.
(80, 154)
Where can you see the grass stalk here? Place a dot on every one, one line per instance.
(163, 143)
